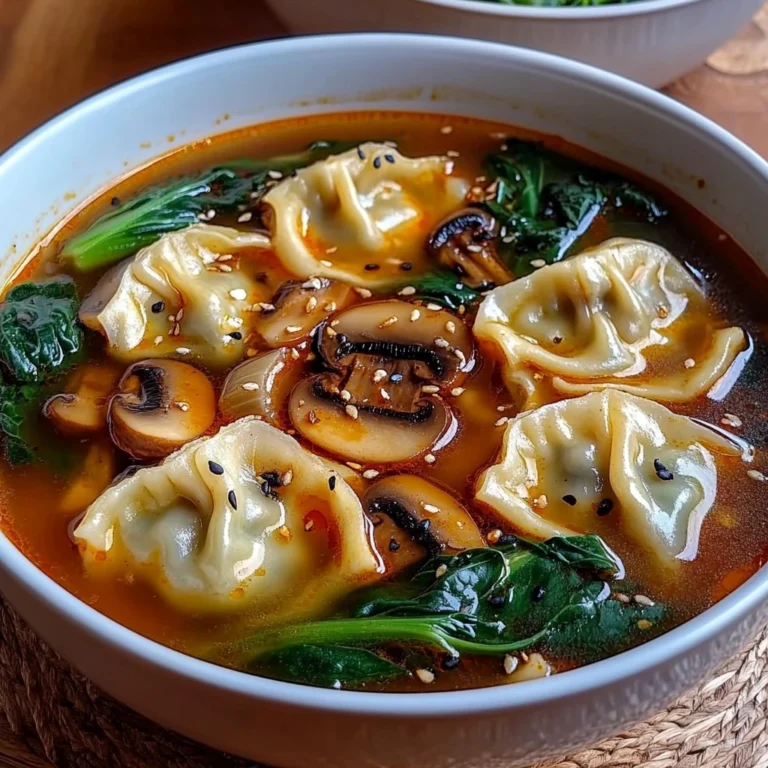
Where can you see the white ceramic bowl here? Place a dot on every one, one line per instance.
(653, 41)
(290, 725)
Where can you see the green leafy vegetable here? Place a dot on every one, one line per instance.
(18, 405)
(169, 207)
(545, 202)
(444, 288)
(39, 333)
(485, 601)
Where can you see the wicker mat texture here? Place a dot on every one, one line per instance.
(61, 717)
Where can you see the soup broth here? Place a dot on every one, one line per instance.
(534, 205)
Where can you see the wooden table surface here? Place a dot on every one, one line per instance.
(53, 53)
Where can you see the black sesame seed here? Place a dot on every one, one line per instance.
(423, 526)
(507, 540)
(497, 600)
(115, 201)
(158, 306)
(236, 335)
(406, 266)
(394, 545)
(360, 153)
(217, 469)
(570, 500)
(371, 267)
(232, 498)
(396, 377)
(389, 158)
(604, 507)
(662, 472)
(557, 339)
(377, 162)
(332, 482)
(537, 595)
(451, 662)
(273, 478)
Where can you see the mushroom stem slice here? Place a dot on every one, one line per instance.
(364, 432)
(464, 242)
(432, 517)
(161, 405)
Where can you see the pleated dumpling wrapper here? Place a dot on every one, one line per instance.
(358, 216)
(625, 315)
(608, 459)
(183, 296)
(244, 519)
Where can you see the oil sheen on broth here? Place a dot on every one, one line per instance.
(494, 326)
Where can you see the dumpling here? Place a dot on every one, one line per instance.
(244, 519)
(608, 461)
(625, 315)
(179, 297)
(359, 215)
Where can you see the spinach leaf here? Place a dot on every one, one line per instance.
(39, 333)
(444, 288)
(329, 665)
(18, 404)
(510, 598)
(546, 202)
(169, 207)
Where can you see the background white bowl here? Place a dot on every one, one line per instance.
(653, 42)
(290, 725)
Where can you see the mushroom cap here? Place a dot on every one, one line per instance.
(160, 406)
(366, 433)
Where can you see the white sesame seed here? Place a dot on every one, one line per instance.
(494, 536)
(441, 342)
(425, 676)
(501, 422)
(330, 331)
(389, 321)
(452, 153)
(384, 394)
(354, 465)
(364, 293)
(446, 129)
(336, 685)
(456, 391)
(689, 362)
(415, 315)
(183, 350)
(334, 323)
(274, 174)
(433, 306)
(369, 474)
(378, 375)
(287, 477)
(171, 318)
(182, 406)
(409, 290)
(351, 411)
(224, 257)
(541, 501)
(250, 386)
(294, 353)
(332, 249)
(622, 598)
(430, 389)
(309, 525)
(243, 217)
(441, 570)
(238, 294)
(311, 304)
(330, 306)
(462, 309)
(266, 306)
(292, 328)
(462, 358)
(510, 664)
(538, 263)
(731, 420)
(225, 268)
(644, 600)
(430, 458)
(431, 508)
(326, 263)
(346, 395)
(755, 475)
(158, 340)
(180, 315)
(313, 284)
(450, 326)
(508, 239)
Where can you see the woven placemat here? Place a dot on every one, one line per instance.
(63, 718)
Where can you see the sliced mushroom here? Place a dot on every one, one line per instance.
(92, 479)
(161, 405)
(436, 343)
(298, 307)
(82, 409)
(430, 516)
(366, 432)
(261, 386)
(464, 242)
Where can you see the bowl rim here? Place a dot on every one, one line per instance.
(571, 13)
(701, 629)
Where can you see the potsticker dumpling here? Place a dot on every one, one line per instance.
(183, 296)
(608, 463)
(357, 216)
(244, 519)
(624, 315)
